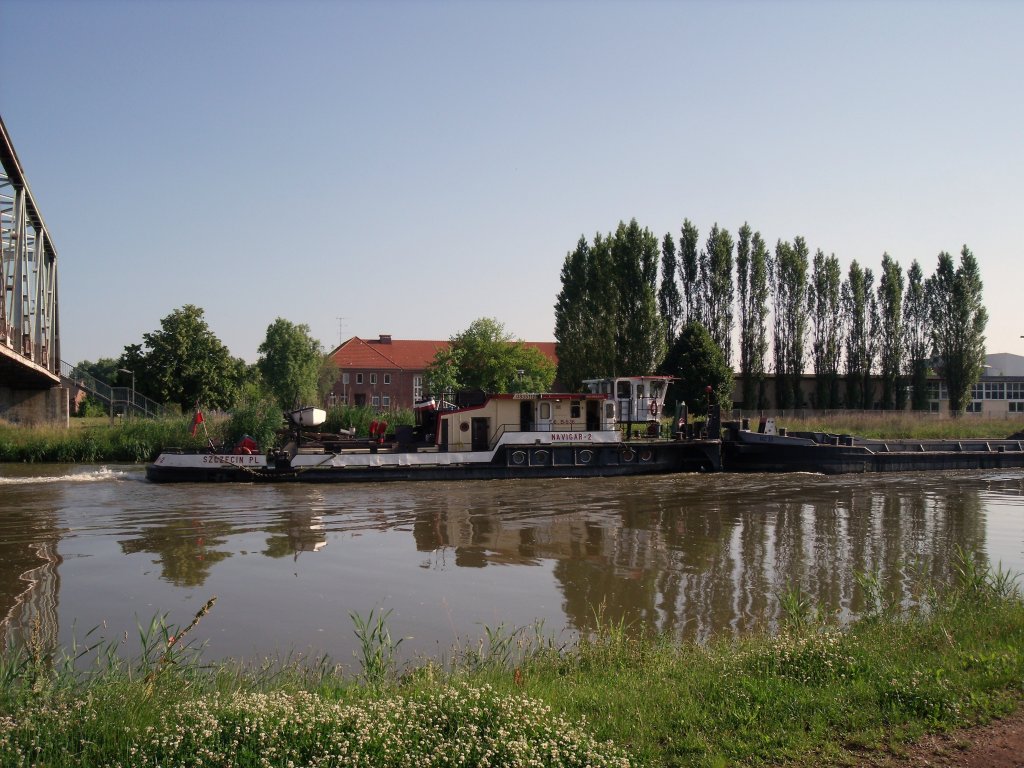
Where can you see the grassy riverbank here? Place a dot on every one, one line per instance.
(887, 424)
(812, 693)
(140, 440)
(92, 440)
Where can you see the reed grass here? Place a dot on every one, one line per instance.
(133, 440)
(813, 692)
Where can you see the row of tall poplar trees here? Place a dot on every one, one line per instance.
(618, 314)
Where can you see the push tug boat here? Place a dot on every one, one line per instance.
(479, 437)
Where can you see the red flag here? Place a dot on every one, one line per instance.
(196, 421)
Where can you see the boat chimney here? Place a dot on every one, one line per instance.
(385, 338)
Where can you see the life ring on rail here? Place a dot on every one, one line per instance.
(653, 408)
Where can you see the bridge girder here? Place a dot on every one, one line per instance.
(29, 320)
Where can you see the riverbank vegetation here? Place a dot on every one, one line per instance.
(97, 440)
(811, 692)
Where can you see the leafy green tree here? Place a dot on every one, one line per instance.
(606, 315)
(857, 295)
(698, 363)
(791, 267)
(916, 337)
(104, 369)
(185, 363)
(958, 320)
(443, 375)
(689, 269)
(486, 357)
(670, 301)
(717, 288)
(639, 332)
(890, 337)
(290, 361)
(826, 345)
(753, 271)
(584, 315)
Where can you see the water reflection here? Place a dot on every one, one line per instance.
(692, 555)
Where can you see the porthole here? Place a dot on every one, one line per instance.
(628, 454)
(539, 458)
(518, 457)
(646, 455)
(585, 456)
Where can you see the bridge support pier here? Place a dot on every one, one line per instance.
(32, 407)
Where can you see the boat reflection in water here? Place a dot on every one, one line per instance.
(693, 555)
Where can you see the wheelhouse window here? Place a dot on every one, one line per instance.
(575, 410)
(545, 411)
(623, 390)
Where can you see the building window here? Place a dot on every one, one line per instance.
(387, 401)
(417, 388)
(376, 401)
(995, 390)
(1015, 390)
(1016, 407)
(359, 378)
(387, 378)
(974, 406)
(373, 378)
(978, 392)
(933, 406)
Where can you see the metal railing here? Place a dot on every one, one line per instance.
(121, 400)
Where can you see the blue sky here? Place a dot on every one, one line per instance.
(411, 167)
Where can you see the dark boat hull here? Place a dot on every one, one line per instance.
(526, 462)
(828, 454)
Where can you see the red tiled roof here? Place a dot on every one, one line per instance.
(405, 354)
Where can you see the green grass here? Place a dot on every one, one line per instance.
(134, 440)
(882, 424)
(810, 693)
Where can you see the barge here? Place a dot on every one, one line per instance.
(771, 449)
(479, 437)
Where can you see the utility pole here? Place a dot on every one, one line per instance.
(341, 332)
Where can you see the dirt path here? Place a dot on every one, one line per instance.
(999, 744)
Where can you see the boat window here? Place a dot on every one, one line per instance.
(656, 388)
(574, 411)
(623, 390)
(640, 390)
(545, 410)
(609, 411)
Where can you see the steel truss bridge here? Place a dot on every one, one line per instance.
(29, 323)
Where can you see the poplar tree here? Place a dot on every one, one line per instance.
(717, 288)
(791, 267)
(890, 337)
(752, 272)
(958, 320)
(584, 313)
(689, 272)
(669, 300)
(915, 337)
(639, 330)
(826, 347)
(858, 311)
(606, 315)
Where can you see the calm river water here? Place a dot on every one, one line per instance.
(89, 546)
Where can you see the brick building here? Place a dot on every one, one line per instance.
(388, 373)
